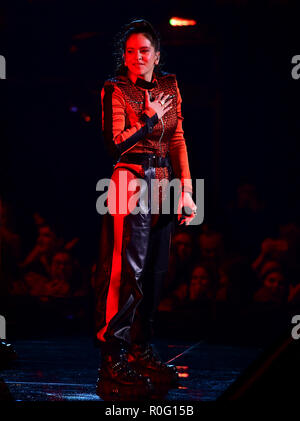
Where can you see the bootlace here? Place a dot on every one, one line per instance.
(150, 354)
(122, 365)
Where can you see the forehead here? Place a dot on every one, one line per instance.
(182, 238)
(274, 276)
(199, 270)
(138, 41)
(45, 230)
(61, 256)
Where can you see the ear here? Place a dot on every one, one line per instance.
(124, 59)
(157, 57)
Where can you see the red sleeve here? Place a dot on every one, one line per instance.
(113, 120)
(178, 150)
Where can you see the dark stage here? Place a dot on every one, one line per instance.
(64, 369)
(232, 288)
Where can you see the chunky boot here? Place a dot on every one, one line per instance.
(118, 380)
(145, 361)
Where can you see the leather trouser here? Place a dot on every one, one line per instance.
(131, 268)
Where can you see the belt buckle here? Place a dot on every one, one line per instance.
(152, 160)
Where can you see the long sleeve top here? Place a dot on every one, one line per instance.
(128, 127)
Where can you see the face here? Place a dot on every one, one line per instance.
(209, 245)
(183, 246)
(61, 267)
(140, 57)
(46, 238)
(275, 281)
(199, 282)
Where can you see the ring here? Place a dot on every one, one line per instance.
(162, 102)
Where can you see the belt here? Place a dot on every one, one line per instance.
(147, 160)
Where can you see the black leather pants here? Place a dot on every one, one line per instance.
(131, 268)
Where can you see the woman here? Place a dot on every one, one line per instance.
(142, 126)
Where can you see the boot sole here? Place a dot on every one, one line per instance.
(158, 379)
(111, 390)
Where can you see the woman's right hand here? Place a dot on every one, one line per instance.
(160, 105)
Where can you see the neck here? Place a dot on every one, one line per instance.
(133, 77)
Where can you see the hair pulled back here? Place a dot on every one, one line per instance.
(136, 26)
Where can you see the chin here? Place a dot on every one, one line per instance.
(137, 72)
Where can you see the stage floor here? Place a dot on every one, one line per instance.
(65, 369)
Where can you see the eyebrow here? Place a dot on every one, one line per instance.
(132, 48)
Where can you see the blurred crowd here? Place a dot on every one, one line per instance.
(238, 281)
(235, 279)
(45, 287)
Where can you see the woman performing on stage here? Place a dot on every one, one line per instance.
(142, 126)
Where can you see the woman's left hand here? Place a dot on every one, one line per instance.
(186, 201)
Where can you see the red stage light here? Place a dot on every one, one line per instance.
(175, 21)
(182, 367)
(86, 118)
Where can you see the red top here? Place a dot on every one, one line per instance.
(128, 127)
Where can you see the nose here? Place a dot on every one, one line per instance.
(138, 55)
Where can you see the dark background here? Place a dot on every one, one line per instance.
(240, 103)
(241, 109)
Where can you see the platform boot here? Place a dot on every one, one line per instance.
(118, 380)
(146, 361)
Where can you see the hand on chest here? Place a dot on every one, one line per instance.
(135, 106)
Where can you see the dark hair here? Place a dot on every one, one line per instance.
(136, 26)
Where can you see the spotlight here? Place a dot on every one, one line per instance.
(175, 21)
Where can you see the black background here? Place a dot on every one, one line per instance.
(240, 104)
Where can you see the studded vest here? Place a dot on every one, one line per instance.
(129, 128)
(157, 141)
